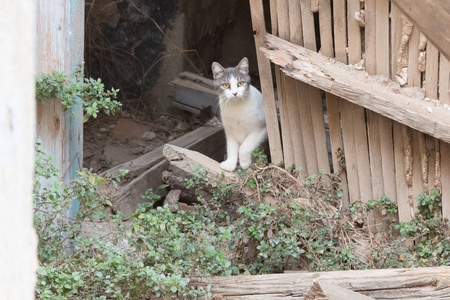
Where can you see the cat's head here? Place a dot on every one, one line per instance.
(232, 83)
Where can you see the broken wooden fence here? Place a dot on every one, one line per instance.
(387, 113)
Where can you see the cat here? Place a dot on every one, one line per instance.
(242, 113)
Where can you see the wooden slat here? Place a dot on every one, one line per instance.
(359, 123)
(333, 102)
(433, 19)
(340, 30)
(295, 89)
(404, 210)
(373, 133)
(385, 125)
(359, 88)
(315, 98)
(399, 151)
(444, 80)
(288, 92)
(346, 109)
(444, 98)
(431, 91)
(414, 80)
(265, 73)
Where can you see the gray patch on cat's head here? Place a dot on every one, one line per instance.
(223, 75)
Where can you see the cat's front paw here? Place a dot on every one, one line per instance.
(245, 163)
(228, 165)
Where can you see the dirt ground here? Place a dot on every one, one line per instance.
(111, 140)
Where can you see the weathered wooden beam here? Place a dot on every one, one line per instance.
(379, 94)
(419, 283)
(433, 19)
(328, 291)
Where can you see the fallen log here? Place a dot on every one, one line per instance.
(418, 283)
(146, 170)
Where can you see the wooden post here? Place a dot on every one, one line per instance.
(18, 243)
(60, 46)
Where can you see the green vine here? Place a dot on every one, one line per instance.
(88, 92)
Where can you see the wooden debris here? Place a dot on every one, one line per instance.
(147, 169)
(382, 96)
(195, 93)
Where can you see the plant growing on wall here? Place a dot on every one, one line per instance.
(88, 92)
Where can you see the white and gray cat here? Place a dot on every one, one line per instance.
(242, 113)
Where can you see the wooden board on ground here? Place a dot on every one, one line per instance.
(420, 283)
(146, 169)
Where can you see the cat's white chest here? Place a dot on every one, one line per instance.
(241, 117)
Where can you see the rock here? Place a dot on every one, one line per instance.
(172, 199)
(137, 150)
(148, 136)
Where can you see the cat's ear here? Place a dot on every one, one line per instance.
(243, 66)
(217, 70)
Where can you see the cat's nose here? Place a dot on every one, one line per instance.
(235, 94)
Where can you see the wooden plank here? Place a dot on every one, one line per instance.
(431, 91)
(385, 125)
(445, 169)
(18, 252)
(360, 133)
(334, 123)
(292, 89)
(414, 283)
(273, 17)
(325, 22)
(433, 19)
(444, 80)
(402, 105)
(354, 32)
(346, 109)
(304, 109)
(315, 97)
(414, 80)
(265, 74)
(373, 133)
(340, 30)
(444, 98)
(283, 97)
(404, 211)
(431, 72)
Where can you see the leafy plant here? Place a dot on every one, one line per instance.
(88, 92)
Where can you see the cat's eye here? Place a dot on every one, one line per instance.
(240, 83)
(226, 85)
